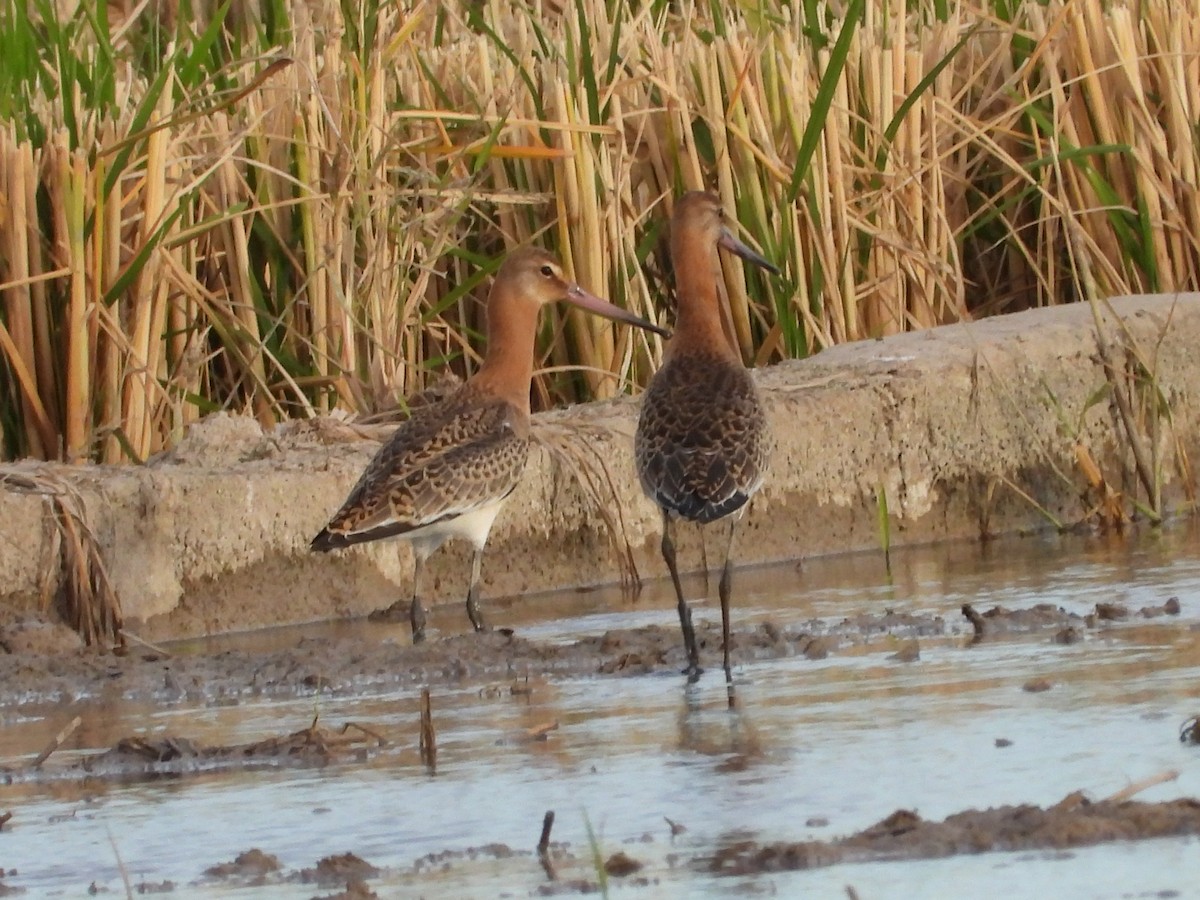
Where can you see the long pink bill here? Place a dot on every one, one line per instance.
(577, 296)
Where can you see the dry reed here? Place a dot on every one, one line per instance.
(297, 207)
(75, 581)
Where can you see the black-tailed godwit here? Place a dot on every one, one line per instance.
(446, 471)
(702, 441)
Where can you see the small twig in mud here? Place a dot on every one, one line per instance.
(126, 634)
(851, 893)
(120, 864)
(4, 817)
(428, 739)
(541, 732)
(1138, 786)
(543, 847)
(677, 828)
(975, 619)
(59, 738)
(1028, 498)
(380, 740)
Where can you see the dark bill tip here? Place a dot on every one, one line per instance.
(577, 296)
(733, 245)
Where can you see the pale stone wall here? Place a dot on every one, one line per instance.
(950, 423)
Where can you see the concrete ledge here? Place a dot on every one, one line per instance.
(969, 430)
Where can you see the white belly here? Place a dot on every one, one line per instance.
(473, 526)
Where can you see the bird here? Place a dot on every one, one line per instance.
(702, 443)
(447, 470)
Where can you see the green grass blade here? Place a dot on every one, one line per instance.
(824, 98)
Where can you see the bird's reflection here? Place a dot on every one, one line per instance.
(714, 723)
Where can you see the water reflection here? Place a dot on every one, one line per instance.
(713, 724)
(792, 749)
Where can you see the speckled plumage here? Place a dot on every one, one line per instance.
(447, 460)
(447, 470)
(702, 443)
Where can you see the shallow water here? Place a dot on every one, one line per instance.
(813, 749)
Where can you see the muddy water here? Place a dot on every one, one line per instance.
(812, 748)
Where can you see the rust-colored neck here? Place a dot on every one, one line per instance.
(507, 368)
(698, 326)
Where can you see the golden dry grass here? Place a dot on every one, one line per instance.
(299, 209)
(75, 581)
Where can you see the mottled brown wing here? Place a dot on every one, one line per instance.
(702, 442)
(445, 461)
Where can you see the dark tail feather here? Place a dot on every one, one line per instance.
(334, 540)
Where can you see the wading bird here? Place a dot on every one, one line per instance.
(447, 470)
(702, 441)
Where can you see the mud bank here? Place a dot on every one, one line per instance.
(967, 431)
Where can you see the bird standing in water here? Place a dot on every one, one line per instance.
(446, 471)
(702, 442)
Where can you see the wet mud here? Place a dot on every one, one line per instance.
(1073, 822)
(39, 666)
(254, 868)
(352, 664)
(359, 662)
(353, 875)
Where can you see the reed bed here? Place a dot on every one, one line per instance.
(285, 208)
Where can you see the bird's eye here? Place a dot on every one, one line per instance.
(547, 271)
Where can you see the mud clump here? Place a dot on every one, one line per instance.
(1000, 620)
(1073, 822)
(340, 869)
(250, 867)
(1069, 628)
(441, 862)
(621, 864)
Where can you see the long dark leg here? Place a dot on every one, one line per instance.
(473, 592)
(416, 612)
(685, 612)
(726, 586)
